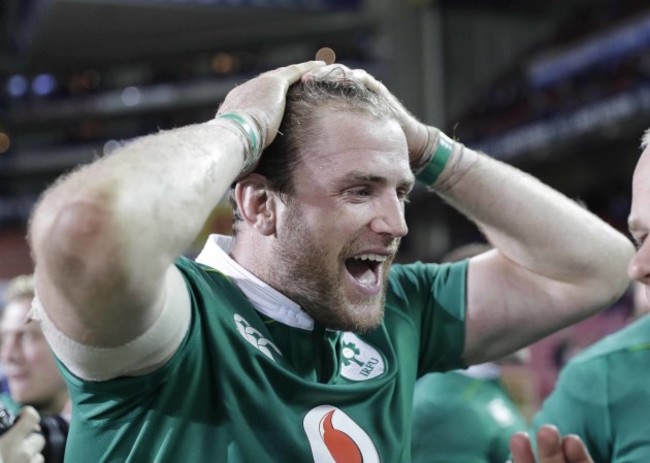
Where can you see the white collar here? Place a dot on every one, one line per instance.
(263, 297)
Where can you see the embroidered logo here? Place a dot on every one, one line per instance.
(334, 437)
(359, 360)
(255, 338)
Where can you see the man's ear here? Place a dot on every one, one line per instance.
(257, 203)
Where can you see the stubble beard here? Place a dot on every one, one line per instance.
(308, 276)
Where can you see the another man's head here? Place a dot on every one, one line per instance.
(639, 219)
(323, 213)
(31, 371)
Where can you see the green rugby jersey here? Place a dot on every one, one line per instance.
(461, 419)
(245, 388)
(603, 395)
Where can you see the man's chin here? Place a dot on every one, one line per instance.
(363, 320)
(367, 327)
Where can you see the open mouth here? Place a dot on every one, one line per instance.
(365, 268)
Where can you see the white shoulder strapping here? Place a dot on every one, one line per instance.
(142, 355)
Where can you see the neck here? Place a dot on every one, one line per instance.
(56, 406)
(251, 254)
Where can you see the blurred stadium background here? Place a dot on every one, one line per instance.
(559, 88)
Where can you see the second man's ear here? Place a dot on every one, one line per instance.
(257, 203)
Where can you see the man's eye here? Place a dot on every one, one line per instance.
(363, 192)
(403, 196)
(638, 241)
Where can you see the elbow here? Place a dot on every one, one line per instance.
(72, 238)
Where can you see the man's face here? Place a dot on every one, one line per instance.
(340, 230)
(27, 360)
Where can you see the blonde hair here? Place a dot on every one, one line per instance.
(19, 287)
(645, 140)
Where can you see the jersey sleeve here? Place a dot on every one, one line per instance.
(146, 352)
(433, 297)
(96, 399)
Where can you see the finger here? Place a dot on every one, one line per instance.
(34, 443)
(335, 69)
(27, 421)
(549, 445)
(521, 449)
(343, 72)
(294, 72)
(369, 81)
(575, 450)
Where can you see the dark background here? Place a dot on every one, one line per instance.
(558, 88)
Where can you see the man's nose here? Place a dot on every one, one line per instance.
(389, 219)
(9, 348)
(639, 267)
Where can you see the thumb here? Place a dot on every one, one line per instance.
(27, 422)
(575, 450)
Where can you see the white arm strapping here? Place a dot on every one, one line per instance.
(142, 355)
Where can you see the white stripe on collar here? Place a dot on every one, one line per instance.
(264, 298)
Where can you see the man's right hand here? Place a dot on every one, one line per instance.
(21, 443)
(264, 97)
(551, 447)
(417, 138)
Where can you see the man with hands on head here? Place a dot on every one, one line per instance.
(294, 340)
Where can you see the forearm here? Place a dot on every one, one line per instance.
(104, 236)
(554, 262)
(153, 194)
(535, 226)
(528, 222)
